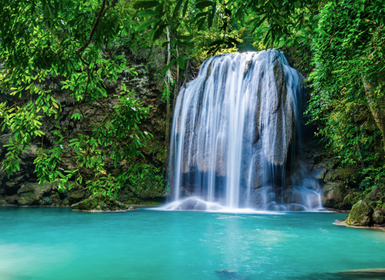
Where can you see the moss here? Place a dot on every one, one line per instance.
(99, 202)
(378, 216)
(333, 195)
(345, 174)
(29, 198)
(360, 215)
(376, 194)
(351, 199)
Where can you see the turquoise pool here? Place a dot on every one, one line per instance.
(58, 244)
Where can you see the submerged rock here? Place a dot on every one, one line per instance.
(360, 215)
(101, 203)
(227, 274)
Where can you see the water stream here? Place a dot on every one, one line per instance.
(235, 129)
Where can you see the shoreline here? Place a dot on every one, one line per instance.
(342, 223)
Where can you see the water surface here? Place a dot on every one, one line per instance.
(58, 244)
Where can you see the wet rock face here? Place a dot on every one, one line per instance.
(282, 115)
(337, 191)
(333, 195)
(360, 215)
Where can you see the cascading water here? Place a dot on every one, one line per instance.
(232, 131)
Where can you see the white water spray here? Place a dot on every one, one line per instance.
(232, 129)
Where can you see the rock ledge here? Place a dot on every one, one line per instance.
(101, 203)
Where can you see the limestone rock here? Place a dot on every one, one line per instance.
(32, 193)
(360, 215)
(319, 171)
(340, 174)
(379, 216)
(101, 203)
(323, 167)
(376, 194)
(281, 112)
(333, 194)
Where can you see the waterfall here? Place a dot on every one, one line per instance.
(232, 131)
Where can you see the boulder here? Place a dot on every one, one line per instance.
(32, 193)
(376, 194)
(341, 174)
(76, 194)
(333, 194)
(378, 216)
(28, 199)
(101, 203)
(320, 169)
(360, 215)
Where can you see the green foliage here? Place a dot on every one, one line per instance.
(348, 49)
(72, 43)
(147, 181)
(67, 41)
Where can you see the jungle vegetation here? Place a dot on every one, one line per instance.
(340, 42)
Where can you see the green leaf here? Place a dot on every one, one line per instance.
(203, 4)
(158, 32)
(145, 4)
(178, 4)
(145, 25)
(147, 13)
(180, 37)
(185, 8)
(168, 67)
(181, 62)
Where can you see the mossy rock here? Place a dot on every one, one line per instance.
(31, 194)
(376, 194)
(346, 173)
(320, 170)
(77, 194)
(351, 198)
(27, 199)
(360, 215)
(378, 216)
(101, 203)
(333, 194)
(36, 188)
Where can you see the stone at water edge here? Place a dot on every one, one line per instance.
(101, 203)
(333, 194)
(360, 215)
(379, 216)
(373, 273)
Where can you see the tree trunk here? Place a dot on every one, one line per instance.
(168, 79)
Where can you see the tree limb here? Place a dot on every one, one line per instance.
(94, 26)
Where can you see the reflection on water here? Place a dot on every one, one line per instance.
(53, 244)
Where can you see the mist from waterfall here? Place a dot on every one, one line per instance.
(234, 129)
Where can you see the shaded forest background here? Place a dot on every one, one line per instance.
(83, 82)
